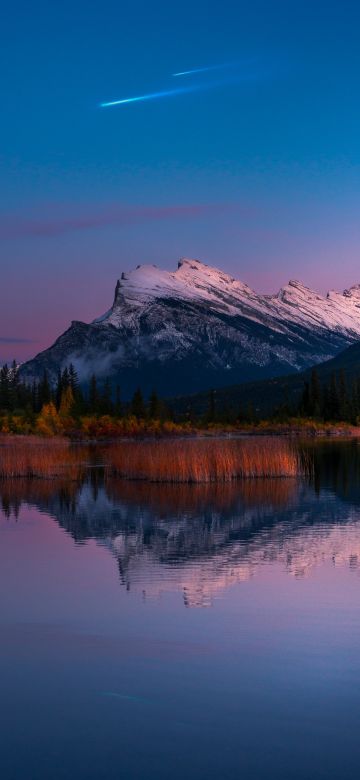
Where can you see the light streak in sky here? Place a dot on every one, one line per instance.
(170, 93)
(205, 69)
(150, 96)
(199, 87)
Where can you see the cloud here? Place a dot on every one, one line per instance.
(15, 227)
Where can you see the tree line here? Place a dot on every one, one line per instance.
(69, 397)
(334, 400)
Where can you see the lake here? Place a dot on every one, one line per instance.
(157, 631)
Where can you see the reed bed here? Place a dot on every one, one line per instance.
(172, 461)
(204, 460)
(32, 456)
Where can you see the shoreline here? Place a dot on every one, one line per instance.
(308, 431)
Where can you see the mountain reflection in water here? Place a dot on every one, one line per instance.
(201, 539)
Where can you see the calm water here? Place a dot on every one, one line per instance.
(159, 632)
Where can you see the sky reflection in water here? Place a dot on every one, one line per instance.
(152, 631)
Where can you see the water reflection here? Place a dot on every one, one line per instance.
(201, 539)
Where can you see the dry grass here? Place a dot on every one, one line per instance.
(173, 461)
(32, 456)
(204, 460)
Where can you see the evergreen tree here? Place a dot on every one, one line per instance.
(34, 397)
(58, 390)
(106, 403)
(250, 412)
(154, 406)
(44, 391)
(343, 397)
(325, 403)
(137, 405)
(14, 386)
(333, 399)
(315, 394)
(210, 414)
(305, 400)
(65, 379)
(118, 409)
(5, 387)
(73, 380)
(93, 396)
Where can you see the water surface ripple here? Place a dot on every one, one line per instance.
(202, 631)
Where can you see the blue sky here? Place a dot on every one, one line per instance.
(257, 171)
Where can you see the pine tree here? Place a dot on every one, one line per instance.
(58, 390)
(34, 397)
(305, 400)
(65, 379)
(154, 406)
(93, 396)
(5, 387)
(106, 398)
(315, 393)
(14, 386)
(333, 402)
(73, 380)
(137, 405)
(343, 397)
(250, 413)
(118, 409)
(44, 390)
(325, 403)
(210, 414)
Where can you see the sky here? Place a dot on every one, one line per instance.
(250, 164)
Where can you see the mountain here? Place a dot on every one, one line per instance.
(196, 327)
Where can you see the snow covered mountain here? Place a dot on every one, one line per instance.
(186, 330)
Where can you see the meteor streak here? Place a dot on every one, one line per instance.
(165, 93)
(204, 70)
(199, 87)
(149, 96)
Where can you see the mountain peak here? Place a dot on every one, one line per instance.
(190, 262)
(198, 327)
(298, 295)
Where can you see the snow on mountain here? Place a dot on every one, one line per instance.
(185, 330)
(197, 282)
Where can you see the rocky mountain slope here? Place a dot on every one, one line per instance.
(197, 327)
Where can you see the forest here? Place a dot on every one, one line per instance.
(97, 410)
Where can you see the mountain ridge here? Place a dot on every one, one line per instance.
(195, 327)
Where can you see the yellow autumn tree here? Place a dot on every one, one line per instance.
(48, 422)
(67, 403)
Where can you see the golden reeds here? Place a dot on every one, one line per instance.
(32, 456)
(176, 460)
(204, 460)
